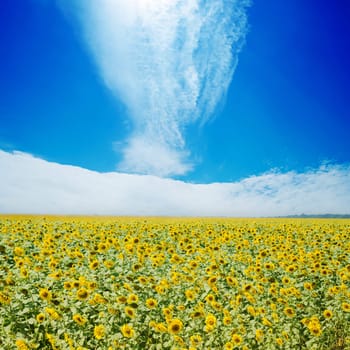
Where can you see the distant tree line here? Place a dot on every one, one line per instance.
(325, 216)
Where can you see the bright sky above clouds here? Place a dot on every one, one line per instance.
(174, 107)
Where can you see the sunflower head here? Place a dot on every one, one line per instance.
(99, 331)
(175, 326)
(127, 331)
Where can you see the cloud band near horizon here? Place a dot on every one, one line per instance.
(30, 185)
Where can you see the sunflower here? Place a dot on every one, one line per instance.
(56, 275)
(251, 310)
(263, 253)
(209, 298)
(190, 295)
(269, 266)
(266, 322)
(160, 289)
(94, 265)
(92, 285)
(24, 272)
(142, 279)
(181, 307)
(18, 251)
(315, 329)
(179, 340)
(21, 344)
(129, 311)
(279, 341)
(231, 281)
(108, 264)
(152, 324)
(167, 312)
(227, 320)
(288, 311)
(99, 299)
(136, 267)
(80, 320)
(286, 280)
(52, 313)
(236, 339)
(259, 335)
(82, 294)
(210, 322)
(193, 264)
(346, 307)
(102, 247)
(197, 314)
(212, 280)
(196, 340)
(151, 303)
(132, 299)
(248, 287)
(99, 332)
(327, 313)
(127, 331)
(76, 284)
(161, 327)
(51, 340)
(229, 346)
(40, 317)
(121, 299)
(45, 294)
(216, 305)
(291, 268)
(67, 285)
(175, 326)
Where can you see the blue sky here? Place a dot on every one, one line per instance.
(64, 97)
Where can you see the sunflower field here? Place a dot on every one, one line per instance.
(81, 283)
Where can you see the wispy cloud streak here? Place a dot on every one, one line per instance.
(170, 62)
(33, 185)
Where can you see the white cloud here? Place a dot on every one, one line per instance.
(169, 61)
(148, 156)
(33, 185)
